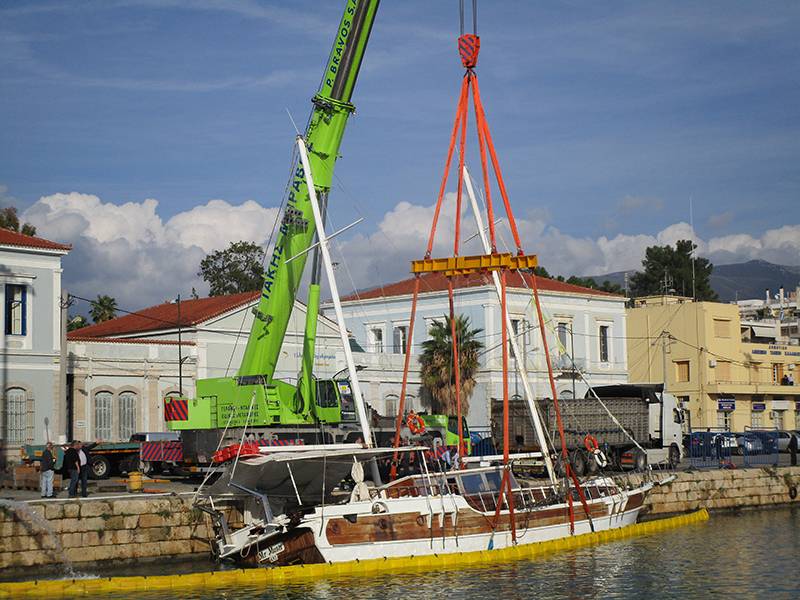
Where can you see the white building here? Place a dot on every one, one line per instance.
(582, 324)
(120, 370)
(30, 341)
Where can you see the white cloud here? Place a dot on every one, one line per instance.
(130, 252)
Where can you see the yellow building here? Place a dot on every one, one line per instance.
(722, 381)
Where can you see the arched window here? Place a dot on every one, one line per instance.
(102, 415)
(390, 402)
(16, 411)
(127, 415)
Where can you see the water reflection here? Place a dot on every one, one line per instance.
(734, 555)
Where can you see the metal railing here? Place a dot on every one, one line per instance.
(720, 449)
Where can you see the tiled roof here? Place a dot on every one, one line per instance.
(75, 337)
(12, 238)
(435, 282)
(165, 316)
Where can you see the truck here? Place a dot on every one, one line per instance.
(314, 410)
(648, 414)
(106, 458)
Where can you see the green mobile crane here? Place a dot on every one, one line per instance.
(314, 411)
(252, 398)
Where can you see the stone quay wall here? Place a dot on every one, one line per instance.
(137, 527)
(85, 531)
(724, 489)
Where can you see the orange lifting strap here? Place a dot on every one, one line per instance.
(456, 266)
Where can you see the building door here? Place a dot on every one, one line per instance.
(724, 420)
(778, 419)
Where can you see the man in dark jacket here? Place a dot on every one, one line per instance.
(793, 449)
(48, 471)
(72, 467)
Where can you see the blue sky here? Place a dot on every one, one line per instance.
(607, 117)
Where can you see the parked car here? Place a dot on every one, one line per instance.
(784, 437)
(749, 443)
(700, 444)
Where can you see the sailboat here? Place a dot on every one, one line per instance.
(284, 506)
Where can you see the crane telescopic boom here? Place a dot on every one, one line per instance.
(254, 397)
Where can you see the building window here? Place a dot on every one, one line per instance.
(16, 310)
(391, 405)
(127, 415)
(722, 328)
(682, 371)
(16, 412)
(755, 420)
(777, 373)
(603, 335)
(102, 415)
(563, 330)
(778, 419)
(376, 340)
(400, 339)
(723, 370)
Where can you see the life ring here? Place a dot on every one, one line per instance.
(792, 492)
(591, 443)
(600, 458)
(415, 423)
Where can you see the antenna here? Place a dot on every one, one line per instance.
(691, 224)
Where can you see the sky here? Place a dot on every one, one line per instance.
(147, 133)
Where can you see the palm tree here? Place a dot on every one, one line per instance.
(103, 309)
(438, 375)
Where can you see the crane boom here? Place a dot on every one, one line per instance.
(254, 397)
(323, 137)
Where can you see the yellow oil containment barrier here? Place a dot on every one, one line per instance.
(62, 588)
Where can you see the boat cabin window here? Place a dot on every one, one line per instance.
(476, 483)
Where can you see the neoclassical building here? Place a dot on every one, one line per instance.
(30, 341)
(583, 325)
(120, 371)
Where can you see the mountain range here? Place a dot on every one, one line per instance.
(737, 280)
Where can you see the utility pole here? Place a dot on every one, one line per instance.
(63, 412)
(572, 358)
(664, 336)
(180, 354)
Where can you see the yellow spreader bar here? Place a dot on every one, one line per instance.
(66, 588)
(464, 265)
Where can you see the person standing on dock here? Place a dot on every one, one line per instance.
(72, 467)
(793, 449)
(48, 472)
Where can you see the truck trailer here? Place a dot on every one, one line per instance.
(648, 414)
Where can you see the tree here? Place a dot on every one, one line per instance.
(103, 309)
(438, 375)
(10, 220)
(233, 270)
(588, 282)
(77, 322)
(675, 266)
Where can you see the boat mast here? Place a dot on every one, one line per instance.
(520, 359)
(337, 305)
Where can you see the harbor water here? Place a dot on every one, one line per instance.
(734, 555)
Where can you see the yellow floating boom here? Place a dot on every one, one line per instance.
(64, 588)
(464, 265)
